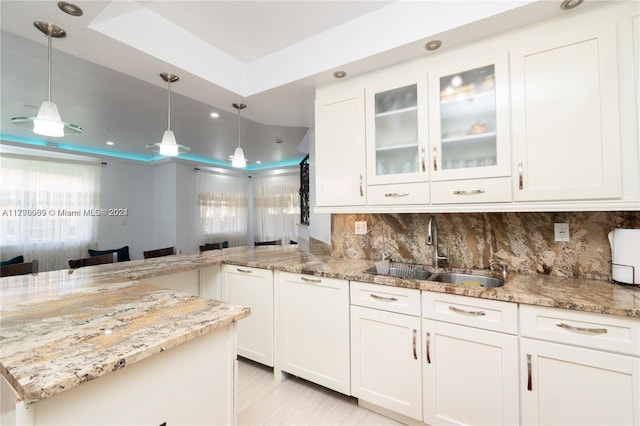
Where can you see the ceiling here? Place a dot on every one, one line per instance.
(268, 54)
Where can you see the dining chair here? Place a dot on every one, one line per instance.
(123, 253)
(19, 269)
(268, 243)
(210, 246)
(93, 260)
(167, 251)
(214, 246)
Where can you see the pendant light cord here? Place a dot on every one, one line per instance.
(49, 66)
(169, 105)
(238, 127)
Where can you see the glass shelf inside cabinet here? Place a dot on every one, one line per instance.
(396, 127)
(468, 118)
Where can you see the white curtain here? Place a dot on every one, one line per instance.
(277, 207)
(48, 210)
(222, 208)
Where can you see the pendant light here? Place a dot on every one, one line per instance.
(168, 146)
(48, 122)
(238, 159)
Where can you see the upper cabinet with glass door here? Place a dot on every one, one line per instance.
(469, 113)
(396, 145)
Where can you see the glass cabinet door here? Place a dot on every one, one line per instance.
(395, 152)
(470, 131)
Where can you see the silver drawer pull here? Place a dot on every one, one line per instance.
(246, 271)
(472, 192)
(415, 350)
(463, 312)
(384, 299)
(520, 179)
(311, 280)
(396, 194)
(582, 329)
(529, 381)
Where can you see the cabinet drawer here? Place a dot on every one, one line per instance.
(597, 331)
(494, 190)
(388, 298)
(474, 312)
(405, 193)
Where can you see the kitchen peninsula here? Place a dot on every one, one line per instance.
(157, 353)
(91, 346)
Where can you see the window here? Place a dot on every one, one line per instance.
(222, 209)
(48, 209)
(277, 207)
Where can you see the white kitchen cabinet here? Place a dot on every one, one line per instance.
(469, 117)
(568, 373)
(386, 348)
(396, 128)
(252, 288)
(313, 332)
(469, 373)
(565, 112)
(340, 150)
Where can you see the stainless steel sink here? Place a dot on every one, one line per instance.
(403, 270)
(420, 272)
(467, 280)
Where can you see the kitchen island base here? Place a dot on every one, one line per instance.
(192, 383)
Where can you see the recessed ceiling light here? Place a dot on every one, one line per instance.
(69, 9)
(258, 162)
(214, 115)
(433, 45)
(110, 143)
(340, 74)
(570, 4)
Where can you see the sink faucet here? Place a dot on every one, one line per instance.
(432, 240)
(501, 266)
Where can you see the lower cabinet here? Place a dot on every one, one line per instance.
(386, 348)
(570, 377)
(252, 288)
(313, 329)
(469, 371)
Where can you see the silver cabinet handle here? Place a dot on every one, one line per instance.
(246, 271)
(310, 280)
(422, 155)
(396, 194)
(472, 192)
(415, 351)
(435, 159)
(581, 329)
(361, 190)
(428, 339)
(463, 312)
(520, 178)
(384, 299)
(529, 383)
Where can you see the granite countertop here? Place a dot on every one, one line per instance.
(62, 328)
(59, 330)
(531, 289)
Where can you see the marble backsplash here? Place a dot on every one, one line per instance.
(524, 241)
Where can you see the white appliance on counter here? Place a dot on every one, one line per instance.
(625, 255)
